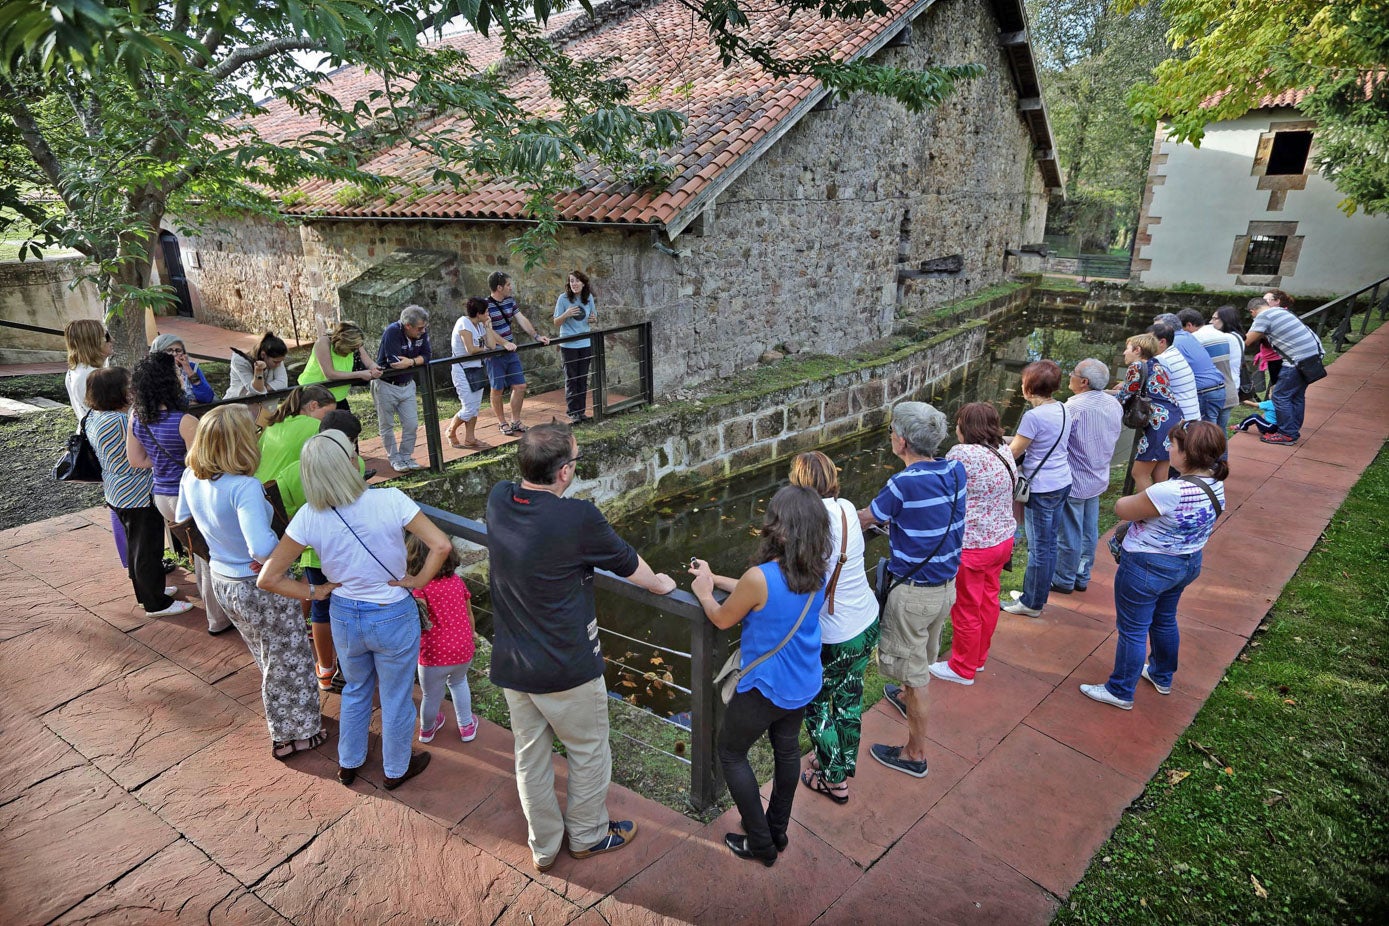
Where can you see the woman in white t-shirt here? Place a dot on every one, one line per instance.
(1041, 443)
(1161, 556)
(357, 533)
(470, 336)
(849, 632)
(89, 349)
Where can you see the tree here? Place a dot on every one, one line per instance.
(1091, 56)
(114, 116)
(1240, 51)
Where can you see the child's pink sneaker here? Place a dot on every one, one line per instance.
(469, 731)
(426, 735)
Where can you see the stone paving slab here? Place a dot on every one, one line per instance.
(71, 655)
(179, 884)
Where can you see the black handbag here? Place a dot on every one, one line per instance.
(1138, 408)
(79, 463)
(1311, 369)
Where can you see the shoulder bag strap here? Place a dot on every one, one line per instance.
(1205, 487)
(786, 639)
(843, 556)
(364, 545)
(159, 443)
(940, 543)
(1053, 446)
(1010, 470)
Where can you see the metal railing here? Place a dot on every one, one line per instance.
(600, 374)
(1343, 309)
(707, 646)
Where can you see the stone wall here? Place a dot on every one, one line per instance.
(42, 293)
(819, 245)
(239, 268)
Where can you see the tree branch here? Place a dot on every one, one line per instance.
(34, 142)
(244, 56)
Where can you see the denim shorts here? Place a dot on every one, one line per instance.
(318, 610)
(505, 371)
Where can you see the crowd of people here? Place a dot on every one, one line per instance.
(377, 582)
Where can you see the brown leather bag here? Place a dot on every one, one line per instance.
(843, 558)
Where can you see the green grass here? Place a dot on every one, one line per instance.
(1271, 806)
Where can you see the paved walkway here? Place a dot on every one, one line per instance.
(136, 785)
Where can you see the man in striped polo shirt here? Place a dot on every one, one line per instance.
(1210, 382)
(924, 505)
(505, 371)
(1296, 342)
(1180, 378)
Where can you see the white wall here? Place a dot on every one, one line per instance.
(1210, 197)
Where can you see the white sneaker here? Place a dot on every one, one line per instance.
(171, 590)
(1161, 689)
(410, 463)
(177, 607)
(1017, 607)
(1101, 694)
(1015, 595)
(942, 671)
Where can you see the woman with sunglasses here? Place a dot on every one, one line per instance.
(195, 384)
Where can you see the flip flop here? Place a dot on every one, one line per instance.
(455, 444)
(474, 445)
(815, 781)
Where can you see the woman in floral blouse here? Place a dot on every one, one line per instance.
(988, 544)
(1150, 462)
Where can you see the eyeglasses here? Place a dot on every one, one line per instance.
(175, 351)
(574, 459)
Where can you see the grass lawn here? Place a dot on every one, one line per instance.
(1271, 808)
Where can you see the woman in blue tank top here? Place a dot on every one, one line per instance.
(778, 602)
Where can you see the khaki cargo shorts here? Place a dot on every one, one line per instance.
(911, 626)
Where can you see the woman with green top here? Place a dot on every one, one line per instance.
(331, 360)
(294, 421)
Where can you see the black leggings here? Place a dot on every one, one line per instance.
(576, 364)
(748, 716)
(144, 537)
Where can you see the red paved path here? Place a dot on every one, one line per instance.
(135, 784)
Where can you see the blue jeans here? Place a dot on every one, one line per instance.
(1079, 532)
(1041, 522)
(1211, 403)
(1147, 588)
(1289, 401)
(377, 643)
(1223, 419)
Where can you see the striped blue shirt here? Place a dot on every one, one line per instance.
(919, 502)
(123, 485)
(1288, 335)
(502, 313)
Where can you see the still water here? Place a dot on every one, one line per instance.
(720, 523)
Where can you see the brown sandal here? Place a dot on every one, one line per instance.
(815, 781)
(283, 751)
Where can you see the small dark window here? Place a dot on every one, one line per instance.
(1289, 153)
(1265, 254)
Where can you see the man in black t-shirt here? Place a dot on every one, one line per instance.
(546, 658)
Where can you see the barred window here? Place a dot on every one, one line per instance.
(1264, 255)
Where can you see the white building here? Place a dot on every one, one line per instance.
(1248, 208)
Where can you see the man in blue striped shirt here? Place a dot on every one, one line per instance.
(1296, 342)
(924, 506)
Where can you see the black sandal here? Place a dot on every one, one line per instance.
(814, 779)
(282, 751)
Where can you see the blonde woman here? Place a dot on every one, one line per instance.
(358, 533)
(219, 491)
(331, 360)
(89, 348)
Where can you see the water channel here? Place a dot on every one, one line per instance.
(645, 650)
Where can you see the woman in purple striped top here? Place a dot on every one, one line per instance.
(160, 432)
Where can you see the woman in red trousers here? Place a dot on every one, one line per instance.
(989, 527)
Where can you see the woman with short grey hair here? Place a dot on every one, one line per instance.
(404, 346)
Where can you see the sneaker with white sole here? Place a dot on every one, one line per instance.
(171, 590)
(427, 734)
(1017, 607)
(1101, 694)
(620, 834)
(1161, 689)
(892, 757)
(942, 671)
(177, 607)
(468, 731)
(892, 694)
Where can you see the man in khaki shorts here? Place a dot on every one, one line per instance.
(924, 506)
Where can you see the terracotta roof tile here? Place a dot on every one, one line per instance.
(729, 111)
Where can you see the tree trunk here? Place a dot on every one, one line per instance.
(126, 317)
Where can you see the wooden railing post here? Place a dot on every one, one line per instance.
(424, 380)
(705, 777)
(600, 375)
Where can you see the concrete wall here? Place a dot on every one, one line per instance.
(1205, 198)
(42, 293)
(804, 249)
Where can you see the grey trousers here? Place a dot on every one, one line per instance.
(202, 572)
(274, 630)
(579, 718)
(433, 679)
(396, 402)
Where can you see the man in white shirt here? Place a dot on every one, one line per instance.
(1180, 379)
(1226, 351)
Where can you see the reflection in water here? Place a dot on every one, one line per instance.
(720, 523)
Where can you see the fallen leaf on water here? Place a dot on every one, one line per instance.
(1258, 888)
(1176, 775)
(657, 661)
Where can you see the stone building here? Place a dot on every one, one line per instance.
(1248, 208)
(792, 217)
